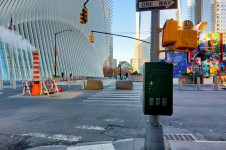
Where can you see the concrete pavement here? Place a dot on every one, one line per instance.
(138, 144)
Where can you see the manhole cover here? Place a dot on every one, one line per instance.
(180, 137)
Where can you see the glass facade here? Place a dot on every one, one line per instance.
(34, 24)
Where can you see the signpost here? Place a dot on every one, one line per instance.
(147, 5)
(154, 139)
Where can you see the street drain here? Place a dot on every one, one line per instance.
(179, 137)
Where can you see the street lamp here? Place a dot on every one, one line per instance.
(55, 64)
(120, 70)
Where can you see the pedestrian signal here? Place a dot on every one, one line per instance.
(186, 39)
(169, 34)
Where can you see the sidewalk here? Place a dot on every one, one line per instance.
(138, 144)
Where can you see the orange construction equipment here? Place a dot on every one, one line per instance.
(37, 87)
(53, 88)
(27, 85)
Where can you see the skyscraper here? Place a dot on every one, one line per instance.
(143, 26)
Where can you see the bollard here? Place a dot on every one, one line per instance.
(83, 84)
(68, 84)
(180, 84)
(215, 83)
(1, 84)
(14, 84)
(198, 83)
(74, 78)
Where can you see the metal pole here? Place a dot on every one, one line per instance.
(120, 71)
(154, 139)
(55, 55)
(155, 19)
(56, 48)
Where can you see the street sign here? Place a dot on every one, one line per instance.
(147, 5)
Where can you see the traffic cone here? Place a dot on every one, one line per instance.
(36, 89)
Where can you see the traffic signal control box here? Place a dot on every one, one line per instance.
(169, 34)
(186, 39)
(158, 88)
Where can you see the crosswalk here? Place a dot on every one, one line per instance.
(115, 97)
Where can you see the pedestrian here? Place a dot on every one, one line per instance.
(62, 75)
(71, 76)
(126, 75)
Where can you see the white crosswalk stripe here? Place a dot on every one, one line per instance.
(115, 97)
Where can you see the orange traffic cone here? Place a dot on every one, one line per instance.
(36, 89)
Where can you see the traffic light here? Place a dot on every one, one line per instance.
(85, 10)
(84, 16)
(82, 19)
(91, 38)
(57, 54)
(186, 39)
(169, 34)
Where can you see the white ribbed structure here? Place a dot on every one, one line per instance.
(39, 20)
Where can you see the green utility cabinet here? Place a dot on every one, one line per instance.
(158, 88)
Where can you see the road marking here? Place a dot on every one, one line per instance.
(122, 96)
(62, 137)
(109, 101)
(90, 127)
(127, 96)
(113, 120)
(114, 98)
(108, 146)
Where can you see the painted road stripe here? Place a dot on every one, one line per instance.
(114, 98)
(87, 127)
(110, 101)
(110, 95)
(62, 137)
(121, 92)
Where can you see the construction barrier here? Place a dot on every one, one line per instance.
(27, 86)
(53, 88)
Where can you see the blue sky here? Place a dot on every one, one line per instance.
(124, 20)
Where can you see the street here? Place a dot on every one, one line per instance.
(78, 116)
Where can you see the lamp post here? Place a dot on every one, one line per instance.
(55, 64)
(120, 70)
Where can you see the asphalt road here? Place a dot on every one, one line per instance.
(77, 116)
